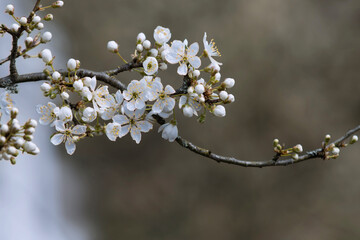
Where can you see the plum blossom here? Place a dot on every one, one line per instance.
(6, 102)
(164, 101)
(89, 114)
(189, 103)
(47, 113)
(210, 50)
(135, 95)
(162, 35)
(115, 106)
(169, 131)
(150, 65)
(112, 131)
(180, 53)
(98, 96)
(133, 122)
(69, 135)
(153, 86)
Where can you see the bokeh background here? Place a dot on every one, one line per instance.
(296, 65)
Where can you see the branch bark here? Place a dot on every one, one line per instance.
(317, 153)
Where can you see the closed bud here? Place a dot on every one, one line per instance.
(275, 142)
(327, 138)
(199, 89)
(12, 151)
(45, 87)
(298, 148)
(4, 129)
(139, 48)
(190, 89)
(64, 95)
(163, 66)
(141, 37)
(78, 85)
(12, 160)
(19, 143)
(223, 95)
(32, 123)
(56, 75)
(29, 147)
(46, 37)
(112, 46)
(14, 112)
(29, 131)
(295, 156)
(354, 139)
(231, 98)
(229, 82)
(219, 111)
(48, 17)
(57, 4)
(14, 27)
(28, 137)
(196, 73)
(40, 26)
(217, 77)
(28, 41)
(153, 52)
(188, 111)
(2, 140)
(46, 56)
(15, 127)
(336, 151)
(9, 9)
(23, 21)
(71, 64)
(147, 44)
(36, 19)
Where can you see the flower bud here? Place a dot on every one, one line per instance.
(202, 98)
(139, 48)
(327, 138)
(48, 17)
(295, 156)
(14, 112)
(46, 56)
(71, 64)
(147, 44)
(112, 46)
(9, 9)
(335, 151)
(12, 151)
(29, 147)
(56, 75)
(163, 66)
(57, 4)
(14, 27)
(199, 89)
(219, 111)
(32, 123)
(77, 64)
(40, 26)
(354, 139)
(153, 52)
(28, 137)
(2, 140)
(231, 98)
(15, 127)
(196, 73)
(46, 37)
(223, 95)
(28, 41)
(188, 111)
(19, 143)
(36, 19)
(190, 89)
(217, 77)
(45, 87)
(229, 82)
(5, 156)
(4, 129)
(87, 81)
(64, 95)
(141, 37)
(29, 131)
(23, 21)
(298, 148)
(78, 85)
(275, 142)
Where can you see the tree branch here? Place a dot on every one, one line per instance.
(317, 153)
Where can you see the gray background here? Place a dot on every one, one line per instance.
(296, 65)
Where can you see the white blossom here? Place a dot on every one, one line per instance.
(150, 65)
(112, 130)
(115, 106)
(180, 53)
(89, 114)
(162, 35)
(69, 136)
(133, 122)
(48, 115)
(210, 50)
(98, 96)
(169, 131)
(6, 102)
(153, 87)
(164, 101)
(188, 100)
(135, 95)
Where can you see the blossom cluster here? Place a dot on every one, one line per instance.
(89, 108)
(15, 138)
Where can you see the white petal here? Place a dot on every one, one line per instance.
(169, 90)
(195, 61)
(120, 119)
(78, 129)
(57, 138)
(158, 106)
(124, 130)
(144, 126)
(135, 134)
(70, 146)
(93, 83)
(112, 131)
(139, 112)
(193, 49)
(119, 97)
(182, 69)
(182, 101)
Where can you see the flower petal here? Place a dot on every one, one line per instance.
(182, 69)
(144, 126)
(57, 139)
(70, 146)
(135, 134)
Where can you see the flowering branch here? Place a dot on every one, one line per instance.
(134, 108)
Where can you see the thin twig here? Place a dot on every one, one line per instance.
(317, 153)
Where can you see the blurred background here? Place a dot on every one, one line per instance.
(296, 66)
